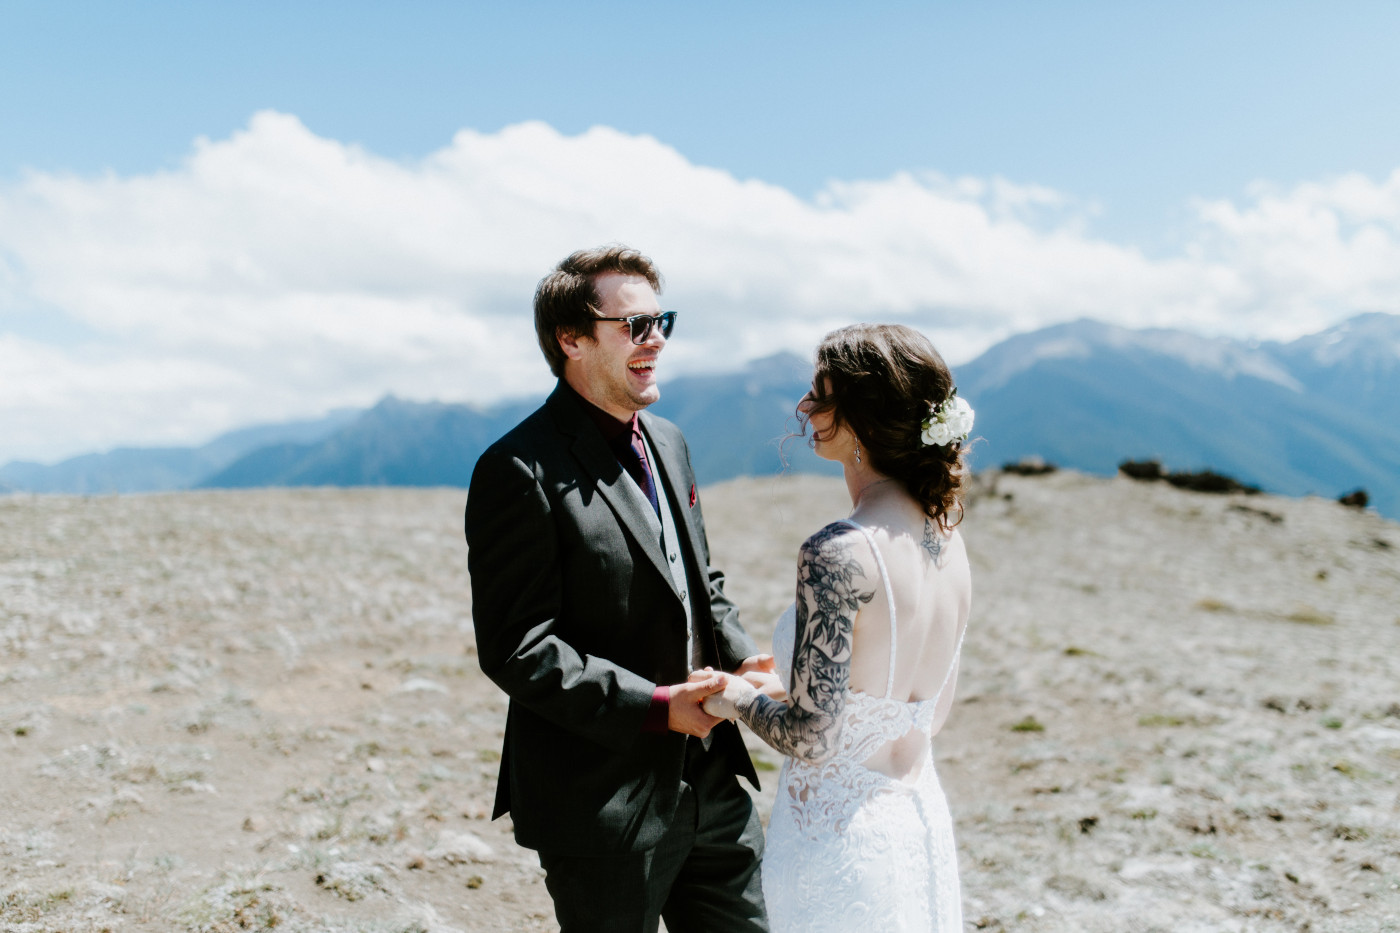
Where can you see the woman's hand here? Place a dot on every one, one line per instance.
(760, 663)
(767, 683)
(725, 703)
(762, 671)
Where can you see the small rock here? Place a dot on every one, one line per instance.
(1148, 470)
(460, 848)
(1073, 886)
(1029, 466)
(350, 880)
(420, 685)
(1137, 869)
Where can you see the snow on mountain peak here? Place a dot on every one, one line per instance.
(1371, 339)
(1082, 338)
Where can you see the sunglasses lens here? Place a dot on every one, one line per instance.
(642, 324)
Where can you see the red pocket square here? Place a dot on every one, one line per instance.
(692, 495)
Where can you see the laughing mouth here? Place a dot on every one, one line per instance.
(642, 367)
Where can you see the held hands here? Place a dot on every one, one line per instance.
(755, 675)
(684, 713)
(710, 696)
(724, 704)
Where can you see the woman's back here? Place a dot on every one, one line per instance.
(907, 558)
(868, 827)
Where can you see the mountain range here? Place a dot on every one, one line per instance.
(1316, 415)
(1319, 415)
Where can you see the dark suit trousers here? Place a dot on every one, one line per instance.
(702, 877)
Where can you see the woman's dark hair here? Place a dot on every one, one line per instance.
(880, 380)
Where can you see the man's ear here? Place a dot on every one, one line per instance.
(569, 343)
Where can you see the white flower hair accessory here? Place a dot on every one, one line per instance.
(948, 421)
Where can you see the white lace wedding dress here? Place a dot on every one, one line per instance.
(853, 849)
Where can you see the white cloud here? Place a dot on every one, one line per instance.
(278, 274)
(1317, 253)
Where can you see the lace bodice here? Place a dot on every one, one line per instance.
(870, 721)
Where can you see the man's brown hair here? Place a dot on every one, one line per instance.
(566, 300)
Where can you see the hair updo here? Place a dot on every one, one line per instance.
(880, 381)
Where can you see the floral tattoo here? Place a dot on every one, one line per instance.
(828, 598)
(933, 542)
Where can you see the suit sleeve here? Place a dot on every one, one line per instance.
(733, 642)
(513, 559)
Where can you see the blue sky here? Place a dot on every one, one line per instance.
(1137, 107)
(200, 202)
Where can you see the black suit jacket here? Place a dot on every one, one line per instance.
(577, 620)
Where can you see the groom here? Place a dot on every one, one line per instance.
(593, 600)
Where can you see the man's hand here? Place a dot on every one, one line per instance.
(684, 714)
(725, 704)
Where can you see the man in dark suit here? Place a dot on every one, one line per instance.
(594, 602)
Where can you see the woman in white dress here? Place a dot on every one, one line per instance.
(860, 838)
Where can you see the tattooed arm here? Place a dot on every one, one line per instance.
(828, 598)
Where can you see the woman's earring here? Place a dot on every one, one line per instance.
(857, 451)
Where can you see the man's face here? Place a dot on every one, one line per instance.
(608, 369)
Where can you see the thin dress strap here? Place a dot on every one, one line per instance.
(957, 653)
(889, 597)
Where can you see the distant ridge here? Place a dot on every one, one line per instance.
(395, 443)
(732, 423)
(1316, 415)
(153, 469)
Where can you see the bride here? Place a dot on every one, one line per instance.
(860, 838)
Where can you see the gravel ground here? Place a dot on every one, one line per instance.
(257, 710)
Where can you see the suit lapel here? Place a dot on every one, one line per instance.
(592, 453)
(676, 493)
(669, 463)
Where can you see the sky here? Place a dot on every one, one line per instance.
(219, 214)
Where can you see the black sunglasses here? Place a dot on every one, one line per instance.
(641, 324)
